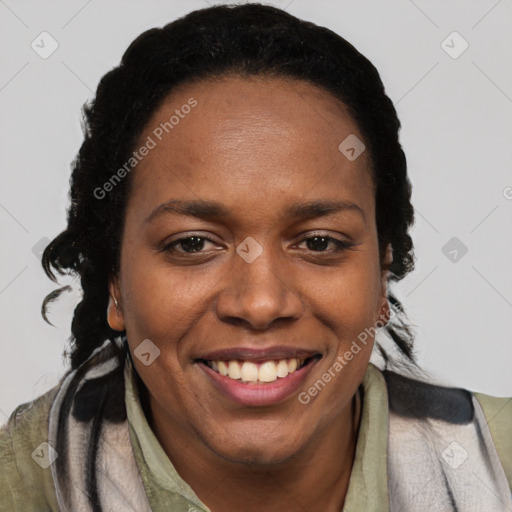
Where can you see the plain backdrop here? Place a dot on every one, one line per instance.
(453, 94)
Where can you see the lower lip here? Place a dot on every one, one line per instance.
(259, 394)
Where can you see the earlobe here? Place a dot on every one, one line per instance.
(384, 314)
(388, 259)
(384, 308)
(115, 317)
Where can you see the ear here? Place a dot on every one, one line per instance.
(384, 310)
(115, 317)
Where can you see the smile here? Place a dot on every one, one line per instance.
(250, 372)
(258, 383)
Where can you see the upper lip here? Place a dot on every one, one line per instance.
(258, 354)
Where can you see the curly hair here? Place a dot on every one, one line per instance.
(244, 40)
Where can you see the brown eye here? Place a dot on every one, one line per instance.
(189, 244)
(321, 243)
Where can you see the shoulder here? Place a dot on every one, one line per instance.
(413, 398)
(26, 483)
(498, 413)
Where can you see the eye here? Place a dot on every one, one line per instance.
(194, 244)
(319, 243)
(188, 244)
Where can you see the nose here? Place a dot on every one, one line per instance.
(259, 294)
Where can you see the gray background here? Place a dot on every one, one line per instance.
(456, 116)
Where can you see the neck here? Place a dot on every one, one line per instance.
(315, 479)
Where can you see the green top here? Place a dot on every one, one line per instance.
(25, 486)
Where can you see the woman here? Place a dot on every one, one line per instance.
(239, 207)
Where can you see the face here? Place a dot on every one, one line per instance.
(249, 247)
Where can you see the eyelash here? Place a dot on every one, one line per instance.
(341, 245)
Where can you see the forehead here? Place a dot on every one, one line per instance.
(219, 136)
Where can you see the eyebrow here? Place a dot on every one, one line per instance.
(203, 209)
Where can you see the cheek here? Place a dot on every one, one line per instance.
(161, 303)
(349, 296)
(159, 306)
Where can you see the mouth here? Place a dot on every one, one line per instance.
(258, 380)
(250, 372)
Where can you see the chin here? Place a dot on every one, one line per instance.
(257, 449)
(252, 456)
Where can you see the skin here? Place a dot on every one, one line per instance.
(255, 145)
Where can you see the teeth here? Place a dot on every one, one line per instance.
(247, 371)
(223, 369)
(282, 369)
(267, 372)
(234, 370)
